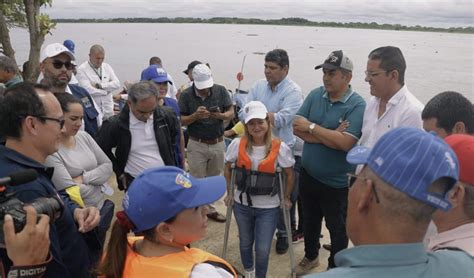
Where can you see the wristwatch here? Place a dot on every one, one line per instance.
(311, 127)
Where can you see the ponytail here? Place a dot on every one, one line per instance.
(113, 263)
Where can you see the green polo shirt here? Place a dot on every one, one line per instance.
(323, 163)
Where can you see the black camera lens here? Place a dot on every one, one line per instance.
(49, 206)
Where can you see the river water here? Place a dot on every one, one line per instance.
(436, 62)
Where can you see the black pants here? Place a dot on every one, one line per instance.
(321, 200)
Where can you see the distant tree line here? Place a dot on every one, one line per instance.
(283, 21)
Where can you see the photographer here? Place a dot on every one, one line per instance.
(28, 249)
(32, 122)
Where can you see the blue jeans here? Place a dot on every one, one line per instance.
(256, 225)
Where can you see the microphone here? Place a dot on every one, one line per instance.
(19, 177)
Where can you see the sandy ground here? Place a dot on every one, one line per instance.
(279, 265)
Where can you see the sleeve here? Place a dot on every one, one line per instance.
(183, 103)
(227, 101)
(306, 106)
(100, 174)
(205, 270)
(61, 177)
(355, 118)
(239, 128)
(114, 83)
(285, 156)
(85, 82)
(232, 151)
(107, 139)
(292, 102)
(172, 88)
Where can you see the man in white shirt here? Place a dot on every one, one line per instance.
(391, 104)
(99, 80)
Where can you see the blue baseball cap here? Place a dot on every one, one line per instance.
(69, 45)
(410, 160)
(155, 74)
(158, 194)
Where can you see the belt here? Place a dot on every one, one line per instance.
(207, 141)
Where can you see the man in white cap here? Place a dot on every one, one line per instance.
(57, 67)
(204, 108)
(99, 79)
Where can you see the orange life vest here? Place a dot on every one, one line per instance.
(170, 266)
(267, 165)
(263, 181)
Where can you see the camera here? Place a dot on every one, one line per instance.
(53, 207)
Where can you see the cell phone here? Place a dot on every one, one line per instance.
(214, 109)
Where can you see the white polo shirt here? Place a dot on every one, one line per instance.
(403, 109)
(144, 152)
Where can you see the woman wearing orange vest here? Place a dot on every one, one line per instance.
(256, 200)
(168, 207)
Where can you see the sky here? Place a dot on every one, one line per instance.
(434, 13)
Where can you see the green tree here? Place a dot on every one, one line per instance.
(25, 14)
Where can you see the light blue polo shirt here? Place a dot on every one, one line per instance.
(323, 163)
(399, 260)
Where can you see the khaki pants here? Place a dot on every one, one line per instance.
(205, 161)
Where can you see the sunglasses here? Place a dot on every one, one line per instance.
(59, 64)
(351, 179)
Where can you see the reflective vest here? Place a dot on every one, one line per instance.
(177, 265)
(263, 181)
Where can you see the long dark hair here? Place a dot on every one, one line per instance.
(113, 263)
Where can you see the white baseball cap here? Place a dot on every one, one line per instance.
(255, 110)
(53, 50)
(202, 76)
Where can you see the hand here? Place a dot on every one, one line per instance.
(301, 124)
(287, 203)
(216, 115)
(31, 245)
(228, 200)
(343, 126)
(87, 218)
(271, 117)
(78, 179)
(229, 133)
(201, 113)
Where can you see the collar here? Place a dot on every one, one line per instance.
(197, 94)
(382, 255)
(445, 238)
(395, 99)
(347, 95)
(25, 161)
(15, 80)
(279, 85)
(68, 90)
(135, 121)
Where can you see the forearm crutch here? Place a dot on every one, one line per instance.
(286, 218)
(228, 215)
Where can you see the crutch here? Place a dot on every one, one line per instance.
(229, 211)
(286, 218)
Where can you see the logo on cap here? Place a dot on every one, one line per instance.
(333, 58)
(183, 181)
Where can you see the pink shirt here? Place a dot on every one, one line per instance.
(461, 237)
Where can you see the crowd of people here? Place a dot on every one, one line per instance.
(391, 175)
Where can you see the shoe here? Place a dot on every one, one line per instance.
(327, 246)
(216, 216)
(306, 265)
(249, 274)
(297, 237)
(282, 245)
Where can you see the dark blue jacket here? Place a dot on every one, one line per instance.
(90, 112)
(71, 254)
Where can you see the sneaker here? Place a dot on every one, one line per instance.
(297, 237)
(282, 245)
(305, 266)
(249, 274)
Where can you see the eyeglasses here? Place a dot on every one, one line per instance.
(374, 73)
(351, 179)
(57, 64)
(60, 121)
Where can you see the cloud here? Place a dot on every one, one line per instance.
(437, 13)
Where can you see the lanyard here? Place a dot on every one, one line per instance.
(98, 72)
